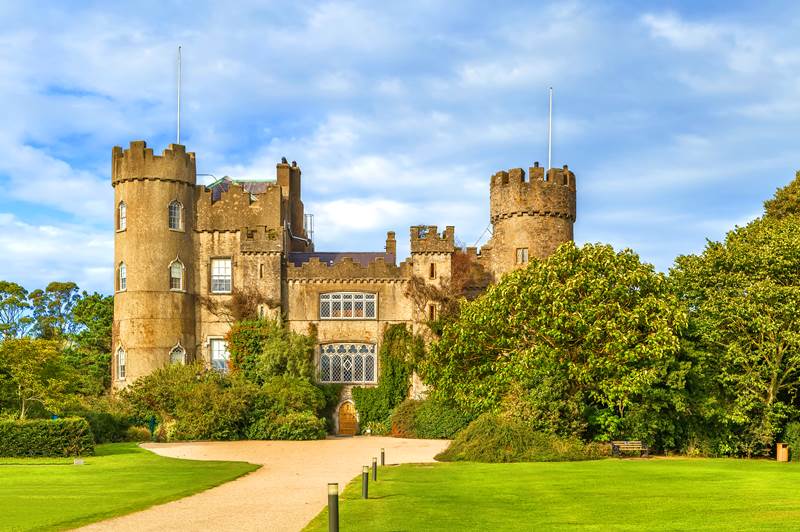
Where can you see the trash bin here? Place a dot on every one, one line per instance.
(782, 452)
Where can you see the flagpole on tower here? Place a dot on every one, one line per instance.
(179, 96)
(550, 134)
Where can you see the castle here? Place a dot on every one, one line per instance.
(185, 252)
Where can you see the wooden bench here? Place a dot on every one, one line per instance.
(618, 447)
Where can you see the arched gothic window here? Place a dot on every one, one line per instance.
(347, 363)
(121, 364)
(122, 216)
(122, 282)
(176, 273)
(177, 355)
(176, 216)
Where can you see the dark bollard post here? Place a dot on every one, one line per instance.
(383, 456)
(333, 507)
(374, 469)
(365, 482)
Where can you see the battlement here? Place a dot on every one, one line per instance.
(510, 194)
(237, 207)
(139, 162)
(426, 239)
(347, 269)
(557, 176)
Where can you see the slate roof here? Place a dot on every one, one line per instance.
(222, 185)
(363, 258)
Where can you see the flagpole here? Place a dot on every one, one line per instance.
(179, 95)
(550, 134)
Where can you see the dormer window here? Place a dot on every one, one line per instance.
(176, 216)
(122, 216)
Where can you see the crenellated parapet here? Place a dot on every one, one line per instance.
(512, 195)
(139, 163)
(426, 239)
(347, 269)
(236, 208)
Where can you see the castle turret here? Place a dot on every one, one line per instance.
(432, 260)
(530, 218)
(154, 320)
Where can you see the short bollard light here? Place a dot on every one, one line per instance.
(374, 469)
(333, 507)
(383, 457)
(365, 482)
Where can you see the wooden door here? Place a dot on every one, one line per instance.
(347, 419)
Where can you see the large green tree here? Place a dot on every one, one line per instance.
(14, 307)
(34, 373)
(743, 295)
(89, 347)
(52, 309)
(573, 344)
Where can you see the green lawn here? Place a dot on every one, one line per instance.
(48, 494)
(655, 494)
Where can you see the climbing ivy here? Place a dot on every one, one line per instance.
(399, 349)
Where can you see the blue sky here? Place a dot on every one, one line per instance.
(678, 118)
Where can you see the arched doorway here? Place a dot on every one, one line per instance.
(347, 419)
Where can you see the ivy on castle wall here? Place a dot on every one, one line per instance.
(399, 349)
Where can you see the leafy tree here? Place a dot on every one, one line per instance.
(571, 344)
(90, 349)
(14, 305)
(33, 372)
(52, 310)
(743, 295)
(786, 201)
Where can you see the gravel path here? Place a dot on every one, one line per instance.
(285, 494)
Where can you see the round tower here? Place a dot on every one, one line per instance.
(530, 218)
(154, 321)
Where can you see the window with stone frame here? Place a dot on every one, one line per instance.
(348, 363)
(122, 216)
(177, 355)
(175, 216)
(176, 275)
(348, 306)
(121, 368)
(522, 255)
(219, 354)
(122, 280)
(221, 276)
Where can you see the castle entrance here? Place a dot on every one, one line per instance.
(347, 420)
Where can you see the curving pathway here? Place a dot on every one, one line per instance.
(285, 494)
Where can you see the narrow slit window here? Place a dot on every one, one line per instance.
(432, 273)
(432, 312)
(122, 220)
(121, 369)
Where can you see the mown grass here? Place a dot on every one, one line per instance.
(53, 494)
(655, 494)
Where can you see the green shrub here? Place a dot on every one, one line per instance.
(791, 435)
(45, 437)
(107, 427)
(377, 428)
(216, 409)
(137, 434)
(437, 420)
(493, 438)
(403, 419)
(292, 394)
(262, 348)
(291, 426)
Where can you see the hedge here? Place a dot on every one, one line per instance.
(45, 437)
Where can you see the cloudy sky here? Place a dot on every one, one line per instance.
(678, 120)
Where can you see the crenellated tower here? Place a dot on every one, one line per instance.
(530, 217)
(154, 267)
